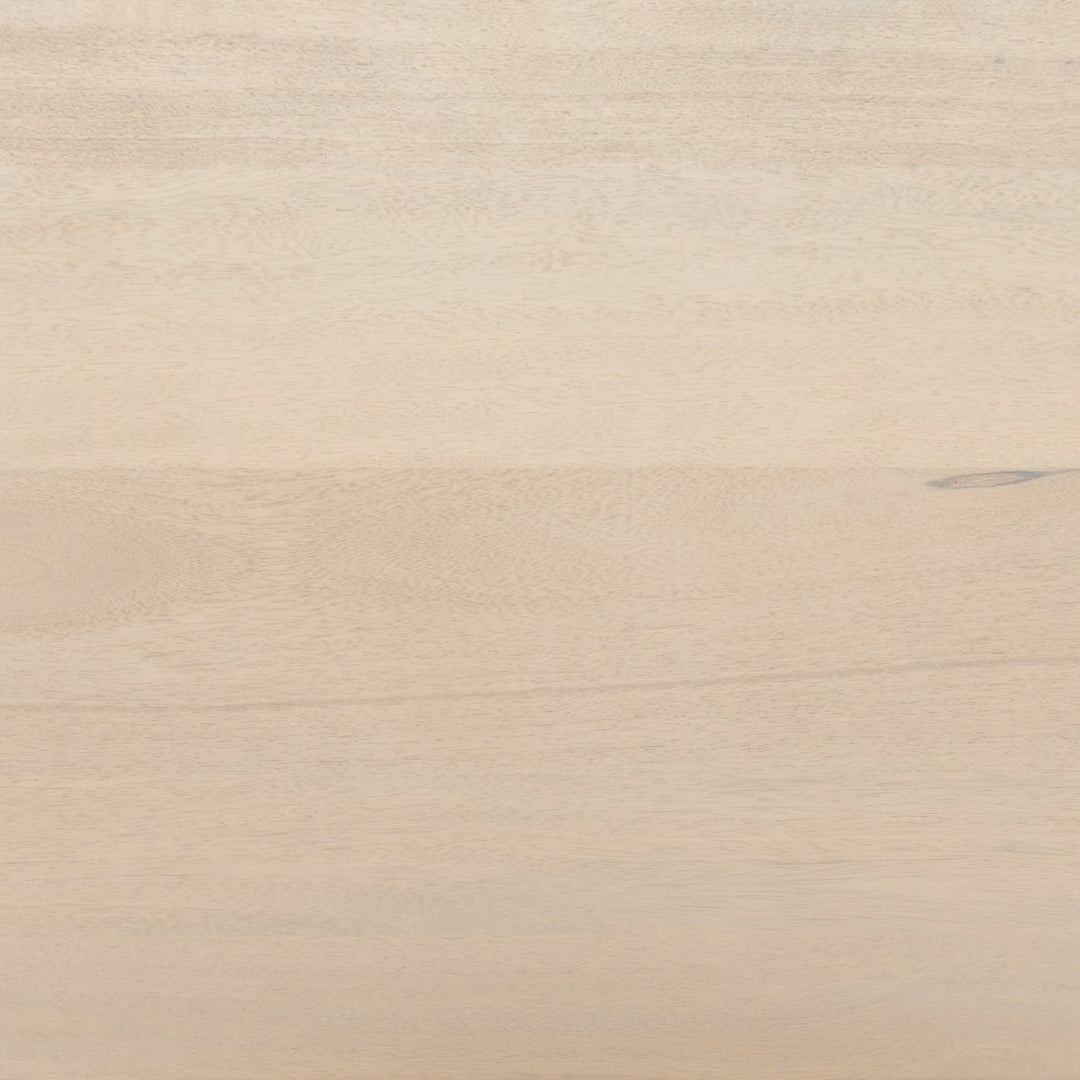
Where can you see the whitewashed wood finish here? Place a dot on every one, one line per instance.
(539, 773)
(474, 601)
(537, 232)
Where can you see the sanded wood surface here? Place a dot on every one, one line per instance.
(539, 540)
(539, 773)
(538, 232)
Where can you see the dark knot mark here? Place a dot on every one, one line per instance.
(991, 479)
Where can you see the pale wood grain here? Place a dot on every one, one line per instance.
(565, 773)
(482, 592)
(551, 233)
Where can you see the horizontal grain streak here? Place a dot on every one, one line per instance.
(576, 690)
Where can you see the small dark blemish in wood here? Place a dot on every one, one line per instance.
(988, 479)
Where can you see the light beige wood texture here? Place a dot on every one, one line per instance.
(474, 602)
(540, 773)
(539, 232)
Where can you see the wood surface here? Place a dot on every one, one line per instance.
(538, 540)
